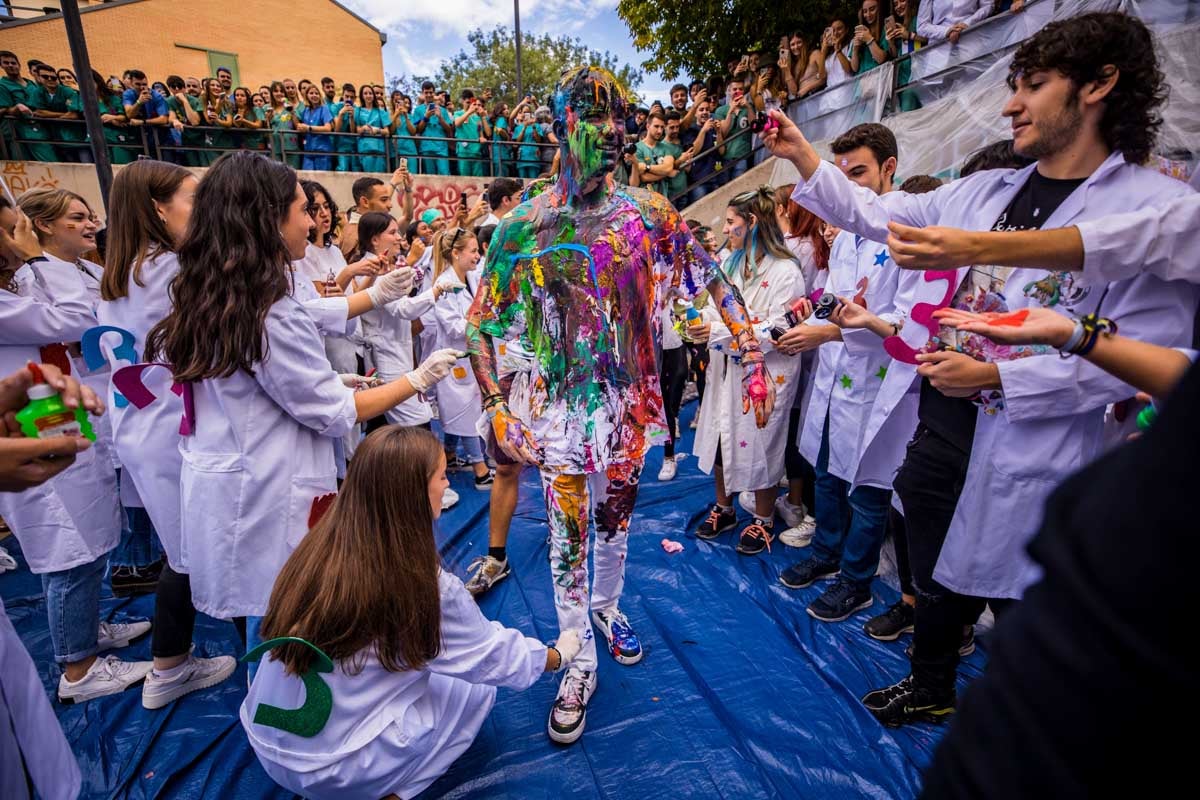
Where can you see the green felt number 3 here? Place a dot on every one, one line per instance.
(309, 719)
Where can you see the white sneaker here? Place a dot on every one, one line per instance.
(7, 562)
(667, 473)
(449, 499)
(196, 673)
(107, 675)
(568, 715)
(746, 501)
(792, 515)
(800, 535)
(114, 635)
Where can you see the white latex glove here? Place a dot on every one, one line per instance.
(433, 369)
(391, 286)
(358, 382)
(568, 646)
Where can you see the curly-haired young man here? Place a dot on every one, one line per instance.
(999, 427)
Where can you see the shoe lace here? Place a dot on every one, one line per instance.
(840, 590)
(482, 566)
(572, 690)
(714, 516)
(756, 531)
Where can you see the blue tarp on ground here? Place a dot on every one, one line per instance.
(741, 693)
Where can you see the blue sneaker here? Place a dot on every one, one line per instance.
(623, 643)
(839, 601)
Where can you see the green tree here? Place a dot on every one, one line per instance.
(490, 61)
(697, 37)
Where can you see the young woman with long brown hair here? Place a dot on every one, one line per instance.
(258, 455)
(150, 205)
(68, 526)
(414, 662)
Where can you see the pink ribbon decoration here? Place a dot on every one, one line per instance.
(922, 314)
(129, 382)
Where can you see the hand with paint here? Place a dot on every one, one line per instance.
(758, 390)
(432, 370)
(390, 287)
(1027, 326)
(513, 437)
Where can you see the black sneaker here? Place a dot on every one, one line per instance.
(484, 482)
(568, 715)
(128, 581)
(965, 647)
(888, 626)
(799, 576)
(904, 703)
(839, 601)
(718, 521)
(755, 538)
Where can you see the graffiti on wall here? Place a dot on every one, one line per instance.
(22, 176)
(445, 196)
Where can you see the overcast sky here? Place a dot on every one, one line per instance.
(422, 34)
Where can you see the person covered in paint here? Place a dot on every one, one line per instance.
(590, 315)
(393, 668)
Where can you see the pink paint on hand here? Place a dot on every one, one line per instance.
(671, 547)
(757, 387)
(1013, 320)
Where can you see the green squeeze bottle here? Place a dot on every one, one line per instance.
(47, 415)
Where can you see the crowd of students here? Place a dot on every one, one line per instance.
(938, 409)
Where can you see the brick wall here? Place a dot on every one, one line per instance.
(273, 39)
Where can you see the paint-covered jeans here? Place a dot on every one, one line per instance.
(569, 510)
(73, 607)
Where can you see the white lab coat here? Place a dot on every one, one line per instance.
(936, 17)
(29, 731)
(395, 732)
(388, 334)
(75, 517)
(147, 439)
(1053, 408)
(752, 458)
(261, 453)
(459, 402)
(850, 372)
(1161, 240)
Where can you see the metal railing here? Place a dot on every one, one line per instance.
(289, 146)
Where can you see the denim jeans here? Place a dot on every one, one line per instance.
(139, 545)
(73, 608)
(850, 524)
(472, 447)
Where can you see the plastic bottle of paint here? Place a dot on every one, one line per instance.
(1146, 417)
(47, 415)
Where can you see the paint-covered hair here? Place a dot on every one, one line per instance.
(589, 90)
(766, 238)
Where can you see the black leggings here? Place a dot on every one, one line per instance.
(698, 366)
(796, 467)
(673, 375)
(174, 615)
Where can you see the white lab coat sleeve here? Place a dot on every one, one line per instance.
(331, 315)
(926, 26)
(720, 340)
(451, 315)
(411, 308)
(296, 373)
(28, 321)
(839, 201)
(478, 650)
(1161, 240)
(981, 13)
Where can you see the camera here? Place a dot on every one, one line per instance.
(630, 149)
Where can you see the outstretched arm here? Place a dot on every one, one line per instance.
(758, 391)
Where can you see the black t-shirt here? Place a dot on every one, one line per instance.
(1091, 675)
(953, 418)
(705, 165)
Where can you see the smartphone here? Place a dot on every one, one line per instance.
(404, 163)
(462, 199)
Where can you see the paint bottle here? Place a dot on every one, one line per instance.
(47, 415)
(1147, 416)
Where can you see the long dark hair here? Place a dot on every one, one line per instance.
(233, 266)
(135, 231)
(310, 194)
(766, 238)
(371, 225)
(366, 576)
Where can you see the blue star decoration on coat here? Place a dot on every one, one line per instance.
(847, 381)
(881, 258)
